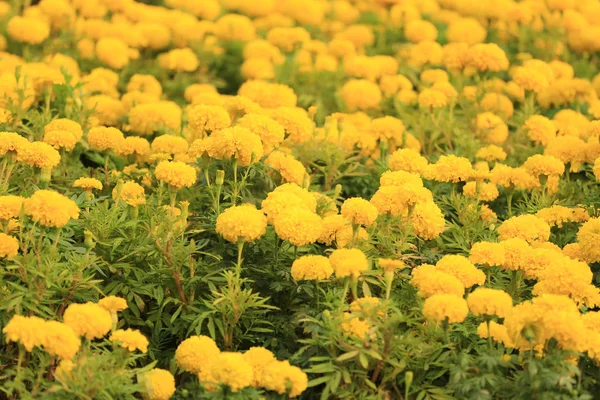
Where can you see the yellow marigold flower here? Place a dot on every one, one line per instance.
(9, 246)
(430, 281)
(63, 371)
(29, 331)
(432, 98)
(287, 195)
(517, 253)
(394, 84)
(498, 104)
(311, 267)
(490, 302)
(530, 79)
(112, 52)
(487, 57)
(258, 68)
(27, 29)
(290, 169)
(11, 142)
(113, 304)
(449, 168)
(60, 340)
(568, 149)
(331, 225)
(64, 124)
(107, 111)
(244, 223)
(491, 153)
(159, 384)
(573, 250)
(461, 268)
(484, 191)
(434, 75)
(296, 123)
(420, 30)
(145, 83)
(359, 211)
(88, 183)
(233, 370)
(258, 358)
(497, 331)
(10, 207)
(130, 339)
(487, 254)
(50, 208)
(268, 95)
(588, 236)
(281, 377)
(196, 353)
(105, 138)
(360, 94)
(202, 118)
(298, 225)
(184, 60)
(466, 30)
(133, 145)
(235, 27)
(60, 140)
(445, 307)
(288, 39)
(146, 119)
(539, 164)
(427, 220)
(348, 262)
(558, 215)
(491, 128)
(198, 88)
(407, 160)
(170, 144)
(130, 192)
(527, 227)
(235, 142)
(176, 174)
(389, 265)
(355, 326)
(271, 132)
(38, 154)
(345, 236)
(88, 319)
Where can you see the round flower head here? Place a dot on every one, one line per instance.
(298, 226)
(290, 169)
(170, 144)
(359, 211)
(233, 370)
(145, 84)
(348, 262)
(360, 94)
(39, 154)
(461, 268)
(311, 267)
(133, 145)
(60, 140)
(10, 207)
(179, 60)
(390, 265)
(281, 377)
(130, 339)
(588, 236)
(27, 29)
(113, 304)
(9, 246)
(130, 192)
(159, 384)
(60, 340)
(432, 98)
(487, 57)
(298, 126)
(196, 354)
(442, 307)
(113, 52)
(88, 184)
(271, 132)
(487, 254)
(496, 331)
(29, 331)
(287, 196)
(489, 302)
(203, 118)
(176, 174)
(235, 27)
(241, 223)
(258, 358)
(88, 319)
(105, 138)
(491, 153)
(431, 281)
(407, 160)
(50, 208)
(544, 165)
(539, 129)
(450, 169)
(11, 142)
(527, 227)
(268, 95)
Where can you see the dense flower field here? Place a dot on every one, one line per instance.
(315, 199)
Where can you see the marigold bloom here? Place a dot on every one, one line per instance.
(159, 384)
(10, 207)
(461, 268)
(298, 225)
(290, 169)
(144, 83)
(491, 128)
(130, 192)
(296, 123)
(348, 262)
(442, 307)
(113, 304)
(588, 236)
(285, 196)
(39, 154)
(544, 165)
(489, 302)
(271, 132)
(359, 211)
(9, 246)
(105, 138)
(360, 94)
(407, 160)
(268, 95)
(88, 183)
(29, 331)
(487, 254)
(496, 331)
(64, 124)
(27, 29)
(11, 142)
(202, 118)
(233, 370)
(491, 153)
(179, 60)
(133, 145)
(88, 319)
(432, 98)
(113, 52)
(196, 353)
(244, 223)
(50, 208)
(170, 144)
(311, 267)
(176, 174)
(530, 79)
(130, 339)
(487, 57)
(145, 119)
(430, 281)
(427, 220)
(258, 358)
(280, 376)
(449, 168)
(527, 227)
(559, 215)
(232, 27)
(60, 340)
(420, 30)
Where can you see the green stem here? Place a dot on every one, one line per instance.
(345, 293)
(238, 267)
